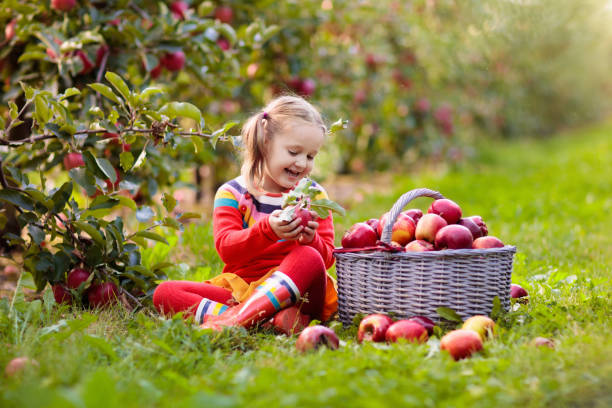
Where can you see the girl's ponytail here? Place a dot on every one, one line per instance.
(253, 137)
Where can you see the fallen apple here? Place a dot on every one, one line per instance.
(290, 321)
(447, 209)
(487, 242)
(518, 292)
(373, 327)
(483, 325)
(453, 237)
(428, 226)
(102, 294)
(313, 337)
(18, 365)
(61, 294)
(543, 342)
(419, 245)
(360, 235)
(408, 330)
(424, 321)
(461, 343)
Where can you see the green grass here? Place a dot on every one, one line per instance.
(552, 199)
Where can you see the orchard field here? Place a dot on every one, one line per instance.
(120, 118)
(552, 199)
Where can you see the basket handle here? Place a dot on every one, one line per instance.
(399, 206)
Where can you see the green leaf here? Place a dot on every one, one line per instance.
(70, 92)
(324, 204)
(107, 168)
(32, 55)
(102, 345)
(198, 144)
(497, 311)
(37, 234)
(40, 197)
(169, 202)
(172, 223)
(92, 231)
(61, 196)
(126, 160)
(42, 109)
(103, 201)
(188, 215)
(85, 179)
(338, 125)
(18, 198)
(220, 132)
(126, 202)
(105, 91)
(449, 314)
(184, 109)
(151, 235)
(91, 163)
(141, 159)
(150, 91)
(119, 85)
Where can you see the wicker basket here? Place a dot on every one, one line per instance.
(417, 283)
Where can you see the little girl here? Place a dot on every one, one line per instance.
(270, 264)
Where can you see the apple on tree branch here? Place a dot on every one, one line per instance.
(301, 200)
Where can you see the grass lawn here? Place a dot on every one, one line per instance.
(552, 199)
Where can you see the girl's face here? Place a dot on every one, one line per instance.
(290, 155)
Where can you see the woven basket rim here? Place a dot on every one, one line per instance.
(426, 254)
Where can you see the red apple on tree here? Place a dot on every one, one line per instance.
(447, 209)
(72, 160)
(424, 321)
(102, 294)
(313, 337)
(487, 242)
(87, 64)
(428, 226)
(223, 43)
(308, 87)
(290, 321)
(419, 245)
(408, 330)
(179, 9)
(453, 237)
(9, 30)
(76, 277)
(360, 235)
(461, 343)
(373, 327)
(224, 14)
(63, 5)
(173, 61)
(483, 325)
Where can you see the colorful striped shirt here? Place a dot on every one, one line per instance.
(244, 238)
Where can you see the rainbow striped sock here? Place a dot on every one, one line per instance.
(279, 289)
(209, 307)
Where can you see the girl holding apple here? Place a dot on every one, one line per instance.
(270, 263)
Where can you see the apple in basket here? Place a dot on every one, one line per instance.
(487, 242)
(447, 209)
(360, 235)
(407, 330)
(414, 213)
(476, 226)
(483, 325)
(403, 229)
(373, 327)
(419, 245)
(428, 226)
(461, 343)
(373, 222)
(314, 337)
(453, 237)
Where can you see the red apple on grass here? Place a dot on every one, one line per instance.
(408, 330)
(61, 294)
(72, 160)
(543, 342)
(290, 321)
(360, 235)
(461, 343)
(63, 5)
(487, 242)
(313, 337)
(373, 327)
(18, 364)
(453, 237)
(419, 245)
(424, 321)
(517, 292)
(447, 209)
(428, 226)
(76, 277)
(102, 294)
(483, 325)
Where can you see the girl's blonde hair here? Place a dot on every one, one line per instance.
(279, 113)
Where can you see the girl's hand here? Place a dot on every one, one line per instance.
(289, 230)
(308, 234)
